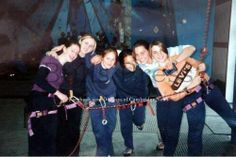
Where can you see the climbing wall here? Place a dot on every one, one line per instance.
(153, 20)
(190, 25)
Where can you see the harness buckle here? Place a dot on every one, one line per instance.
(38, 114)
(194, 104)
(132, 107)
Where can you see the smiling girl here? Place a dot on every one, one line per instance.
(101, 91)
(42, 122)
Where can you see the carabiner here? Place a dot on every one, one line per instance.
(132, 107)
(102, 101)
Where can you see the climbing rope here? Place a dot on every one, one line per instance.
(204, 49)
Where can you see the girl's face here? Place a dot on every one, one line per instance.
(129, 63)
(87, 45)
(108, 61)
(142, 55)
(158, 54)
(72, 52)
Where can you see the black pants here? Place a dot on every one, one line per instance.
(68, 130)
(43, 142)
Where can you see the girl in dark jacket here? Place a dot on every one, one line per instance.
(101, 91)
(42, 121)
(132, 84)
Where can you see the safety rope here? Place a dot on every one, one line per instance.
(204, 49)
(103, 107)
(81, 134)
(128, 105)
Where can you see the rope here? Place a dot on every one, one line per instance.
(124, 106)
(119, 106)
(204, 49)
(81, 135)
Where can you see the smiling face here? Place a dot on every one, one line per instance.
(72, 51)
(109, 59)
(129, 63)
(142, 55)
(88, 44)
(158, 54)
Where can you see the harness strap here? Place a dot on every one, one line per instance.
(193, 104)
(73, 105)
(195, 89)
(76, 102)
(150, 108)
(127, 106)
(198, 88)
(211, 86)
(37, 114)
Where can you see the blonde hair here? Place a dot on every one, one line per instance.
(88, 36)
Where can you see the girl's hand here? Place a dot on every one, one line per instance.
(201, 67)
(54, 51)
(111, 99)
(91, 103)
(61, 96)
(195, 82)
(96, 59)
(165, 99)
(58, 48)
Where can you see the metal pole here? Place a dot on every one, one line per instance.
(231, 55)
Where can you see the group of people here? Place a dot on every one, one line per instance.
(76, 70)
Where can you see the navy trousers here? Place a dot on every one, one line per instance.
(127, 119)
(217, 102)
(170, 121)
(103, 133)
(162, 108)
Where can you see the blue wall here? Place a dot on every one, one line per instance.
(61, 22)
(191, 32)
(171, 21)
(93, 20)
(82, 22)
(103, 16)
(153, 21)
(177, 22)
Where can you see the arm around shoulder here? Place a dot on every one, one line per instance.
(187, 52)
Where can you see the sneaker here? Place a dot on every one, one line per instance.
(128, 152)
(140, 127)
(160, 146)
(230, 150)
